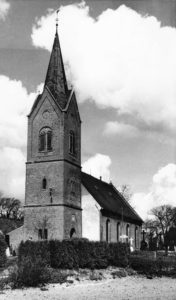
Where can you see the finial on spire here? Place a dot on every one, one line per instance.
(57, 11)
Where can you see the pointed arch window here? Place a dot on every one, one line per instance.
(107, 230)
(127, 232)
(45, 139)
(72, 232)
(118, 231)
(72, 142)
(135, 236)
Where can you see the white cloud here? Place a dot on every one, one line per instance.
(125, 130)
(4, 8)
(121, 60)
(162, 191)
(12, 171)
(98, 165)
(15, 103)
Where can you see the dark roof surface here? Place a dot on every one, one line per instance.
(55, 77)
(110, 200)
(55, 80)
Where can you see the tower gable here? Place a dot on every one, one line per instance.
(46, 114)
(72, 125)
(72, 107)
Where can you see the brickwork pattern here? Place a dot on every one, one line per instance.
(112, 232)
(60, 168)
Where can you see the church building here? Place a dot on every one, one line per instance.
(61, 201)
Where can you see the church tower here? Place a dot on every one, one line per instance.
(53, 168)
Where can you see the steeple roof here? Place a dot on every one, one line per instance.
(55, 77)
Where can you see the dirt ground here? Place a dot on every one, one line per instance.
(130, 287)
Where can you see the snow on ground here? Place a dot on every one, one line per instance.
(130, 287)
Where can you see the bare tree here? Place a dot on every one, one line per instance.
(164, 217)
(152, 230)
(152, 226)
(125, 190)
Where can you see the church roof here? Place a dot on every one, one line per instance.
(109, 198)
(55, 77)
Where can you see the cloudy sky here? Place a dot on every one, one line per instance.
(120, 56)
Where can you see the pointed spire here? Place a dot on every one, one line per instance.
(57, 20)
(55, 77)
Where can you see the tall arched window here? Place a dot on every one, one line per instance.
(135, 236)
(45, 139)
(118, 231)
(101, 233)
(127, 231)
(107, 230)
(44, 183)
(72, 142)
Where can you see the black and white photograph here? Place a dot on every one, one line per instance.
(88, 149)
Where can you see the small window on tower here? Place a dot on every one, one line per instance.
(45, 234)
(45, 139)
(44, 184)
(40, 234)
(72, 142)
(73, 218)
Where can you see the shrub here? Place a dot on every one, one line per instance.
(32, 267)
(143, 245)
(76, 253)
(3, 247)
(34, 250)
(143, 265)
(95, 276)
(148, 265)
(57, 276)
(30, 272)
(81, 253)
(63, 255)
(35, 258)
(3, 283)
(119, 273)
(118, 254)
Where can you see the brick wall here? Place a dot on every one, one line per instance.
(15, 238)
(48, 217)
(60, 168)
(112, 231)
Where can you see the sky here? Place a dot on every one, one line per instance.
(120, 57)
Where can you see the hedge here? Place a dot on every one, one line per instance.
(159, 266)
(3, 247)
(35, 250)
(76, 253)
